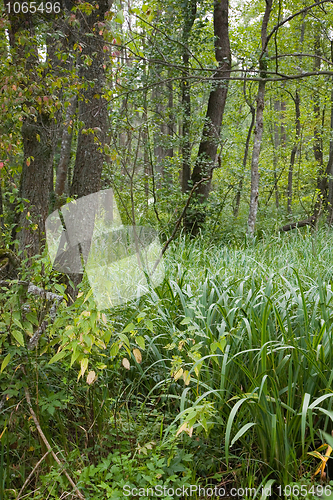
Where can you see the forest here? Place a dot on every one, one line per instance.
(166, 249)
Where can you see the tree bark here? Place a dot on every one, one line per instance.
(329, 168)
(277, 140)
(293, 152)
(65, 151)
(92, 109)
(246, 152)
(37, 131)
(318, 143)
(189, 18)
(254, 197)
(2, 224)
(35, 181)
(161, 130)
(171, 117)
(211, 131)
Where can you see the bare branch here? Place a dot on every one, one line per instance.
(289, 18)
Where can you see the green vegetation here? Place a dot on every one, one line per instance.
(198, 133)
(227, 380)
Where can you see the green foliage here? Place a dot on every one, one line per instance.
(234, 373)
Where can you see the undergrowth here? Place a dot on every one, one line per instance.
(220, 376)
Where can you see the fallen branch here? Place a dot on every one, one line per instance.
(47, 444)
(302, 223)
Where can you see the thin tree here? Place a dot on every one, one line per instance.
(207, 155)
(254, 197)
(189, 18)
(293, 152)
(329, 168)
(246, 152)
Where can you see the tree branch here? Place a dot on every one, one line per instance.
(289, 18)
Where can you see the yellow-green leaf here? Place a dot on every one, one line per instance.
(18, 337)
(178, 374)
(5, 362)
(114, 349)
(56, 357)
(84, 365)
(186, 377)
(130, 327)
(140, 341)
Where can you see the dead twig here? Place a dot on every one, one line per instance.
(47, 444)
(31, 474)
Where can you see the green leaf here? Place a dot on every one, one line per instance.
(60, 288)
(5, 362)
(140, 341)
(32, 317)
(17, 323)
(242, 431)
(119, 17)
(18, 337)
(229, 425)
(186, 321)
(327, 438)
(319, 400)
(149, 325)
(59, 355)
(129, 328)
(124, 339)
(305, 407)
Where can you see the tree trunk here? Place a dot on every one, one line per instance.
(145, 145)
(161, 130)
(318, 143)
(171, 117)
(92, 111)
(302, 223)
(329, 168)
(277, 139)
(293, 152)
(35, 181)
(92, 107)
(189, 18)
(212, 127)
(254, 197)
(65, 151)
(2, 224)
(246, 152)
(38, 139)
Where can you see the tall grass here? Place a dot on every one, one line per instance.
(253, 328)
